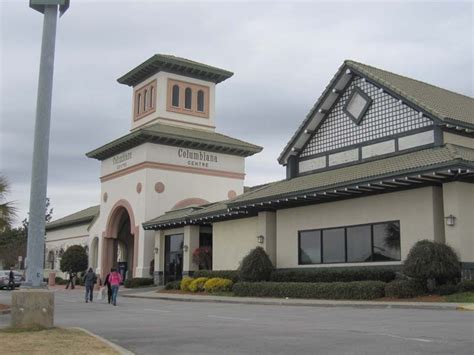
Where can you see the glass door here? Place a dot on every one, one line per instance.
(174, 257)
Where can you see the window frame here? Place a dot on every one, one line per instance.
(357, 90)
(195, 88)
(144, 102)
(321, 236)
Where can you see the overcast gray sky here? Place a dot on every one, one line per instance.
(283, 54)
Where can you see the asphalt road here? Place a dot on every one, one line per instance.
(169, 327)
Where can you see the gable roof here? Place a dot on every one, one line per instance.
(173, 64)
(351, 181)
(445, 107)
(177, 136)
(81, 217)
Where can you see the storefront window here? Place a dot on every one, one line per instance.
(310, 247)
(362, 243)
(333, 246)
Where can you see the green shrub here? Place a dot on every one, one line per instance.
(138, 282)
(466, 286)
(223, 274)
(432, 263)
(173, 285)
(218, 285)
(185, 282)
(333, 274)
(447, 289)
(197, 285)
(357, 290)
(256, 266)
(404, 289)
(74, 259)
(60, 281)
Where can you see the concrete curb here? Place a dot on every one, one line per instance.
(305, 303)
(114, 346)
(466, 307)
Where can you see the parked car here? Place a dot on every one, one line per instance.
(5, 275)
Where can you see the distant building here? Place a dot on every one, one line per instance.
(380, 162)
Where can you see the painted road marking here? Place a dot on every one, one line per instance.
(156, 310)
(228, 318)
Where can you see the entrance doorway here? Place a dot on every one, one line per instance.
(120, 241)
(174, 257)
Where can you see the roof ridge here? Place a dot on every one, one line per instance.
(350, 61)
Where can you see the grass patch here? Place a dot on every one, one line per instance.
(462, 297)
(51, 341)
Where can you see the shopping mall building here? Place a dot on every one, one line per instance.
(380, 162)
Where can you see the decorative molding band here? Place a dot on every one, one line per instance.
(67, 238)
(172, 167)
(186, 122)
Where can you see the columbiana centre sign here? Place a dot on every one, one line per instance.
(197, 158)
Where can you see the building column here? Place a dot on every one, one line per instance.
(159, 252)
(267, 228)
(146, 244)
(191, 241)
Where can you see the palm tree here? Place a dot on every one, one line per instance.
(7, 210)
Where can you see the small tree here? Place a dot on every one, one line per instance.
(432, 263)
(74, 260)
(256, 266)
(203, 258)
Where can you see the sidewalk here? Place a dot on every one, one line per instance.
(299, 302)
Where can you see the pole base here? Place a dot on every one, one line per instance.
(32, 308)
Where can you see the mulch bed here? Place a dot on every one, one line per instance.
(4, 306)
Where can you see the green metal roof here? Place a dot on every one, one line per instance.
(177, 136)
(81, 217)
(173, 64)
(413, 163)
(448, 107)
(359, 173)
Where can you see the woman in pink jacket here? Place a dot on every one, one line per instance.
(115, 280)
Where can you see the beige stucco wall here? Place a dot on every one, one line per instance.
(459, 201)
(414, 208)
(231, 241)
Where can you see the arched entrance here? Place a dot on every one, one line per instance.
(120, 242)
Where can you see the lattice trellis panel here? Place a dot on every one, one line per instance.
(385, 117)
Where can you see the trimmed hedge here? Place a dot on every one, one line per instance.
(197, 285)
(404, 289)
(335, 274)
(466, 286)
(256, 266)
(173, 285)
(222, 274)
(447, 289)
(357, 290)
(185, 282)
(218, 285)
(138, 282)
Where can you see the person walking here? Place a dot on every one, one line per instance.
(71, 280)
(109, 287)
(90, 279)
(11, 279)
(114, 279)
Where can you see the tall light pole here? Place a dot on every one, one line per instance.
(39, 174)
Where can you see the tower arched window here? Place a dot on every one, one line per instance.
(139, 100)
(175, 96)
(200, 101)
(145, 100)
(188, 98)
(151, 96)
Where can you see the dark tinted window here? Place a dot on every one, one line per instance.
(333, 246)
(387, 241)
(310, 247)
(200, 101)
(359, 244)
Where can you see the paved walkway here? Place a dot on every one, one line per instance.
(297, 302)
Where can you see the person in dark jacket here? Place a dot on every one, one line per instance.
(70, 281)
(109, 287)
(90, 279)
(11, 280)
